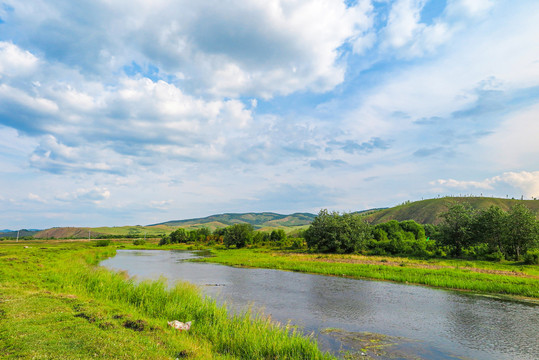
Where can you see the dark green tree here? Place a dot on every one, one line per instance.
(335, 233)
(456, 227)
(238, 235)
(522, 230)
(490, 227)
(179, 236)
(278, 236)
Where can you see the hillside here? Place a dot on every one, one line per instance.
(13, 233)
(427, 211)
(258, 220)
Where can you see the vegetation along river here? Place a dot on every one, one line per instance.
(375, 319)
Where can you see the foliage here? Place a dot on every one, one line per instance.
(532, 257)
(522, 230)
(238, 235)
(102, 243)
(455, 228)
(139, 242)
(336, 233)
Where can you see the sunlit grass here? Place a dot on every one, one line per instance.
(512, 279)
(55, 303)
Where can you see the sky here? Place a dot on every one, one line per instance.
(133, 112)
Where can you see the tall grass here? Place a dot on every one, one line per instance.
(244, 336)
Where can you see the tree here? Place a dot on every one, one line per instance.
(179, 236)
(522, 230)
(456, 227)
(490, 226)
(332, 232)
(277, 236)
(238, 235)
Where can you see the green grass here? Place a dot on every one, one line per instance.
(55, 303)
(478, 276)
(427, 211)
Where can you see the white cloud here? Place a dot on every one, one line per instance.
(257, 48)
(469, 7)
(34, 197)
(527, 182)
(15, 61)
(95, 195)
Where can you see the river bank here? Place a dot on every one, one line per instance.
(501, 279)
(56, 303)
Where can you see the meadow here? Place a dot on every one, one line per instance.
(55, 302)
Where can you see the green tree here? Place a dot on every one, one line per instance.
(490, 227)
(335, 233)
(179, 236)
(238, 235)
(278, 236)
(522, 230)
(456, 227)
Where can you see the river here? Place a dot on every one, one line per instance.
(409, 322)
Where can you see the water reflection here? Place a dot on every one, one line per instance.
(443, 322)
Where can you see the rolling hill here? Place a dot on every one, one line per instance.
(427, 211)
(424, 212)
(258, 220)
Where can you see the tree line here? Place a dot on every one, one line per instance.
(237, 235)
(488, 234)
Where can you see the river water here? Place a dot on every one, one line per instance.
(419, 322)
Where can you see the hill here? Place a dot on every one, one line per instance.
(258, 220)
(13, 233)
(427, 211)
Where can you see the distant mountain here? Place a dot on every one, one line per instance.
(13, 233)
(258, 220)
(428, 211)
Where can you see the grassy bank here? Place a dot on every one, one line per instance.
(55, 303)
(479, 276)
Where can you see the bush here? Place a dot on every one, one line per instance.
(532, 257)
(102, 243)
(165, 240)
(139, 242)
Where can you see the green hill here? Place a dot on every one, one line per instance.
(427, 211)
(258, 220)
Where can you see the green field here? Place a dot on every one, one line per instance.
(507, 279)
(55, 303)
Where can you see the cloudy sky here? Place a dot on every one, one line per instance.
(116, 112)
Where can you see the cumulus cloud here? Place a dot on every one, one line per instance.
(233, 48)
(527, 182)
(95, 195)
(14, 61)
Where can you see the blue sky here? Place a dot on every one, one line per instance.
(137, 112)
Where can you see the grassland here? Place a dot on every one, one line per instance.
(502, 279)
(55, 303)
(427, 211)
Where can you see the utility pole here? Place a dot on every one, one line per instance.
(18, 231)
(88, 235)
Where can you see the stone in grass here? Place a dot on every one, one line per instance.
(178, 325)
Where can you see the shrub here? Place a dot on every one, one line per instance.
(102, 243)
(139, 242)
(165, 240)
(532, 257)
